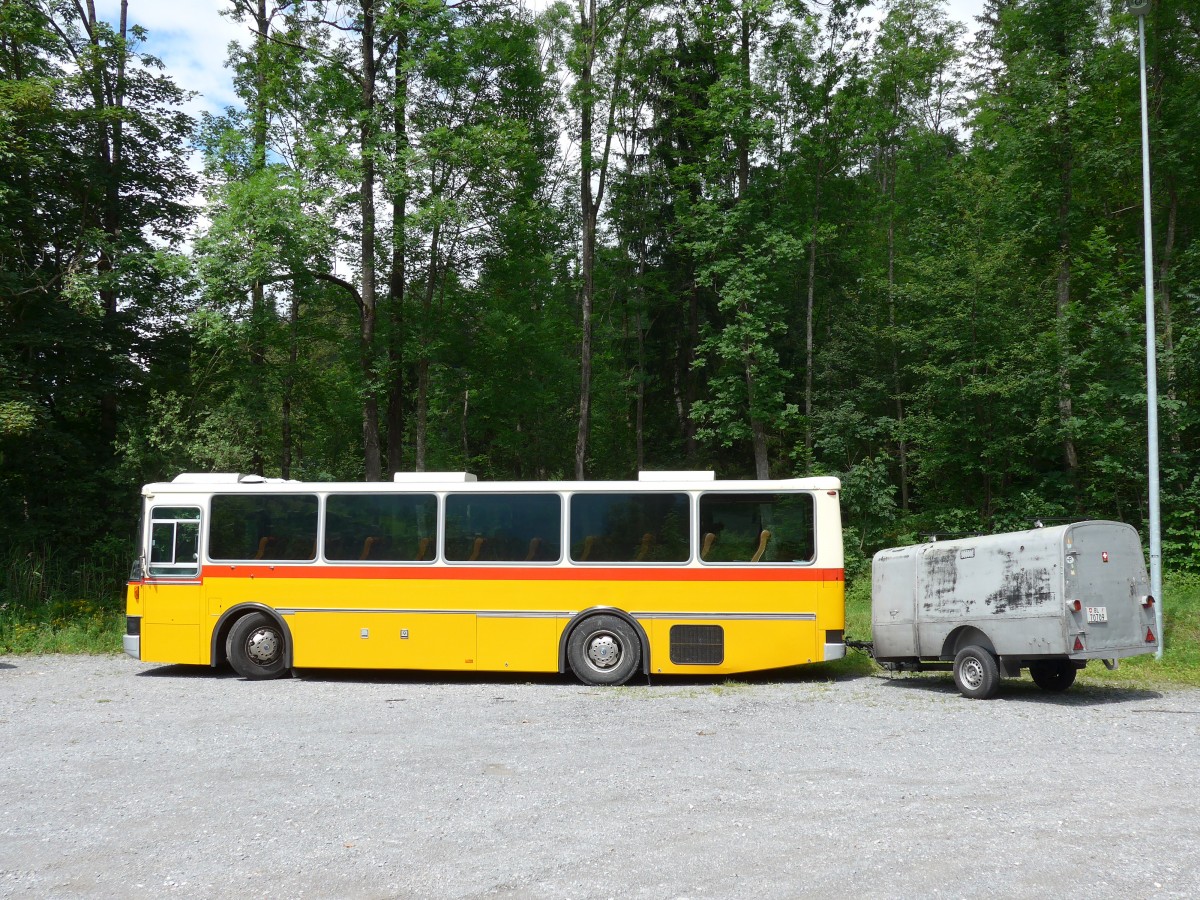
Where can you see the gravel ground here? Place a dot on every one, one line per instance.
(127, 779)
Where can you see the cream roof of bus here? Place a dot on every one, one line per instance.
(231, 482)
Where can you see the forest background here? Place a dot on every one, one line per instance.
(766, 237)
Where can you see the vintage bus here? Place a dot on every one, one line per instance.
(673, 573)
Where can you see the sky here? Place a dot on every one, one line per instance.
(192, 38)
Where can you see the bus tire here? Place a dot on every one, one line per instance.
(1053, 674)
(604, 650)
(976, 673)
(257, 647)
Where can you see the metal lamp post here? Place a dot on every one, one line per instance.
(1140, 8)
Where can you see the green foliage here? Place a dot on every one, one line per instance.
(60, 602)
(824, 248)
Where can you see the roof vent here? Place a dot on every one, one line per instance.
(207, 478)
(433, 477)
(677, 476)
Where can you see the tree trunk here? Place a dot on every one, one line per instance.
(398, 276)
(422, 426)
(890, 175)
(371, 455)
(1062, 295)
(808, 314)
(588, 212)
(110, 151)
(258, 305)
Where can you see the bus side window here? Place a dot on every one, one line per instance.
(630, 527)
(757, 528)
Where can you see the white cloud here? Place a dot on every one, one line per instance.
(192, 38)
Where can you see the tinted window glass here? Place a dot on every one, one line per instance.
(381, 527)
(776, 528)
(264, 526)
(503, 527)
(629, 528)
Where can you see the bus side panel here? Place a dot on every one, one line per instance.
(518, 644)
(758, 632)
(748, 645)
(382, 640)
(171, 622)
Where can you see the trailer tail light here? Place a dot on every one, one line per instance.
(1075, 605)
(1104, 556)
(1149, 635)
(1148, 601)
(1078, 645)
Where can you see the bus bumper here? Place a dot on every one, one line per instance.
(834, 651)
(133, 645)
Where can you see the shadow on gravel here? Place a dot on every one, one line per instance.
(7, 666)
(1025, 691)
(203, 673)
(406, 676)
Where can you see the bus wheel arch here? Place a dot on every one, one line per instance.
(243, 620)
(603, 645)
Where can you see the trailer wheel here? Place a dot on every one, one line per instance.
(1053, 674)
(976, 674)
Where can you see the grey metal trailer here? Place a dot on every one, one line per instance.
(1048, 599)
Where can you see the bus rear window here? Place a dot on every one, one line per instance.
(774, 528)
(276, 527)
(503, 528)
(649, 528)
(381, 527)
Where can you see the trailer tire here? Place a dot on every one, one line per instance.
(1053, 674)
(976, 673)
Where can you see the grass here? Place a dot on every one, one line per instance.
(1180, 664)
(53, 603)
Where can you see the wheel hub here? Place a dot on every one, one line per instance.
(603, 651)
(263, 646)
(972, 673)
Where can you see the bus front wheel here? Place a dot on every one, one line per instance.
(257, 647)
(604, 650)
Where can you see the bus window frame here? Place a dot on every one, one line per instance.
(564, 512)
(266, 561)
(148, 564)
(814, 523)
(439, 512)
(693, 510)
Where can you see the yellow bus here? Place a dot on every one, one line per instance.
(675, 573)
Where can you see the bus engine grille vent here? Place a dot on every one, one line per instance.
(697, 645)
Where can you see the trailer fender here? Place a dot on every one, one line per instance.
(965, 636)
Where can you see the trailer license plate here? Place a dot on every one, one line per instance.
(1097, 613)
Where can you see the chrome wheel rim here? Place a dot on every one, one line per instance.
(971, 673)
(603, 651)
(262, 646)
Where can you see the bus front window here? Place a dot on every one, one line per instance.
(175, 541)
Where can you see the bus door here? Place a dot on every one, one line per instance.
(171, 589)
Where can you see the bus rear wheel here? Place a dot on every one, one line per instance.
(604, 650)
(257, 647)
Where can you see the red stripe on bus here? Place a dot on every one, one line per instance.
(507, 573)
